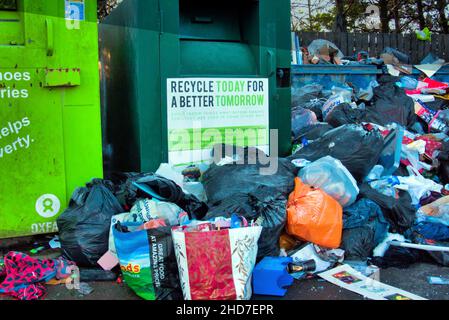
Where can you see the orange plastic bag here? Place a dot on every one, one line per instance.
(314, 216)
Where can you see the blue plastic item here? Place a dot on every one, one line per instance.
(407, 83)
(390, 158)
(270, 276)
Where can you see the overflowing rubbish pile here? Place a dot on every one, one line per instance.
(365, 188)
(391, 140)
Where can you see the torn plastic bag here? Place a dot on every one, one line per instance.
(302, 118)
(150, 185)
(84, 225)
(320, 46)
(399, 213)
(148, 262)
(332, 177)
(357, 148)
(314, 216)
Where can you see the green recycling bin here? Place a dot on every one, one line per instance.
(50, 119)
(181, 75)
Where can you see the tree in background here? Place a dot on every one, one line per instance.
(105, 7)
(400, 16)
(441, 7)
(311, 15)
(340, 16)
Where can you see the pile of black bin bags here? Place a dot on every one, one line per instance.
(350, 132)
(240, 188)
(85, 225)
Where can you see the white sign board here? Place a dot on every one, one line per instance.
(202, 112)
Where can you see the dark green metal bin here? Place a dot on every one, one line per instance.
(145, 42)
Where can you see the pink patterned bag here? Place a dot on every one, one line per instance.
(216, 265)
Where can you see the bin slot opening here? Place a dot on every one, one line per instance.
(8, 5)
(219, 36)
(216, 20)
(202, 20)
(11, 23)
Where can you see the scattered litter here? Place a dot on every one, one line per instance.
(85, 289)
(55, 243)
(346, 277)
(438, 280)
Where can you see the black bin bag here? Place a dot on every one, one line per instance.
(84, 226)
(357, 148)
(358, 243)
(150, 185)
(399, 213)
(241, 189)
(391, 104)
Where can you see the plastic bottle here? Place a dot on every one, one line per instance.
(307, 266)
(386, 185)
(375, 173)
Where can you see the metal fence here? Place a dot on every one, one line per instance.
(374, 43)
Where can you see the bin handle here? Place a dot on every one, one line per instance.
(271, 62)
(50, 37)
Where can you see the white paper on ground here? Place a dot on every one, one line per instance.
(429, 69)
(346, 277)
